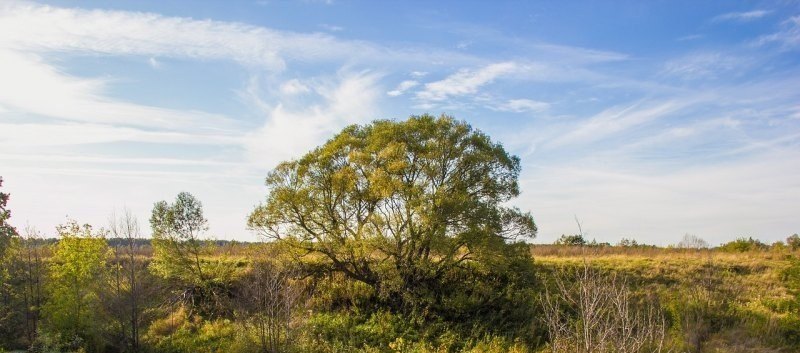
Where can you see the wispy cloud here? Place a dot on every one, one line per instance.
(27, 78)
(520, 106)
(154, 63)
(331, 28)
(615, 120)
(741, 16)
(31, 27)
(703, 65)
(690, 37)
(26, 135)
(787, 38)
(293, 87)
(288, 132)
(465, 81)
(402, 88)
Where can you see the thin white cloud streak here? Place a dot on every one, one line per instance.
(673, 135)
(788, 38)
(48, 134)
(706, 65)
(332, 28)
(32, 27)
(31, 86)
(613, 121)
(741, 16)
(465, 81)
(402, 87)
(121, 160)
(577, 55)
(521, 106)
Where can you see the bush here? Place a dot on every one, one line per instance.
(793, 241)
(574, 239)
(744, 245)
(179, 333)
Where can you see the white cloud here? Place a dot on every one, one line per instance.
(27, 79)
(704, 65)
(154, 63)
(465, 81)
(521, 106)
(331, 28)
(615, 120)
(402, 88)
(690, 37)
(741, 16)
(294, 86)
(287, 133)
(31, 27)
(17, 136)
(787, 38)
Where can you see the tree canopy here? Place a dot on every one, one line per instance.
(397, 204)
(180, 254)
(6, 230)
(77, 271)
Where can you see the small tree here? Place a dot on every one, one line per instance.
(793, 241)
(589, 312)
(691, 241)
(628, 243)
(33, 276)
(128, 301)
(203, 286)
(77, 276)
(574, 239)
(268, 302)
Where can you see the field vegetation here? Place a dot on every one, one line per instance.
(391, 237)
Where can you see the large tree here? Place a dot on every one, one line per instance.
(396, 205)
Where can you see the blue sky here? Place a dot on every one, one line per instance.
(643, 119)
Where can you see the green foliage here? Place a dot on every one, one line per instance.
(7, 232)
(176, 238)
(628, 243)
(398, 205)
(180, 255)
(77, 269)
(182, 333)
(573, 239)
(744, 245)
(793, 241)
(386, 332)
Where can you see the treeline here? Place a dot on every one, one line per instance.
(689, 241)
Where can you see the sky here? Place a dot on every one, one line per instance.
(644, 120)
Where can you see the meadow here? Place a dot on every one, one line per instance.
(698, 300)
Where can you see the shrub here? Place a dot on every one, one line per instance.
(743, 245)
(574, 239)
